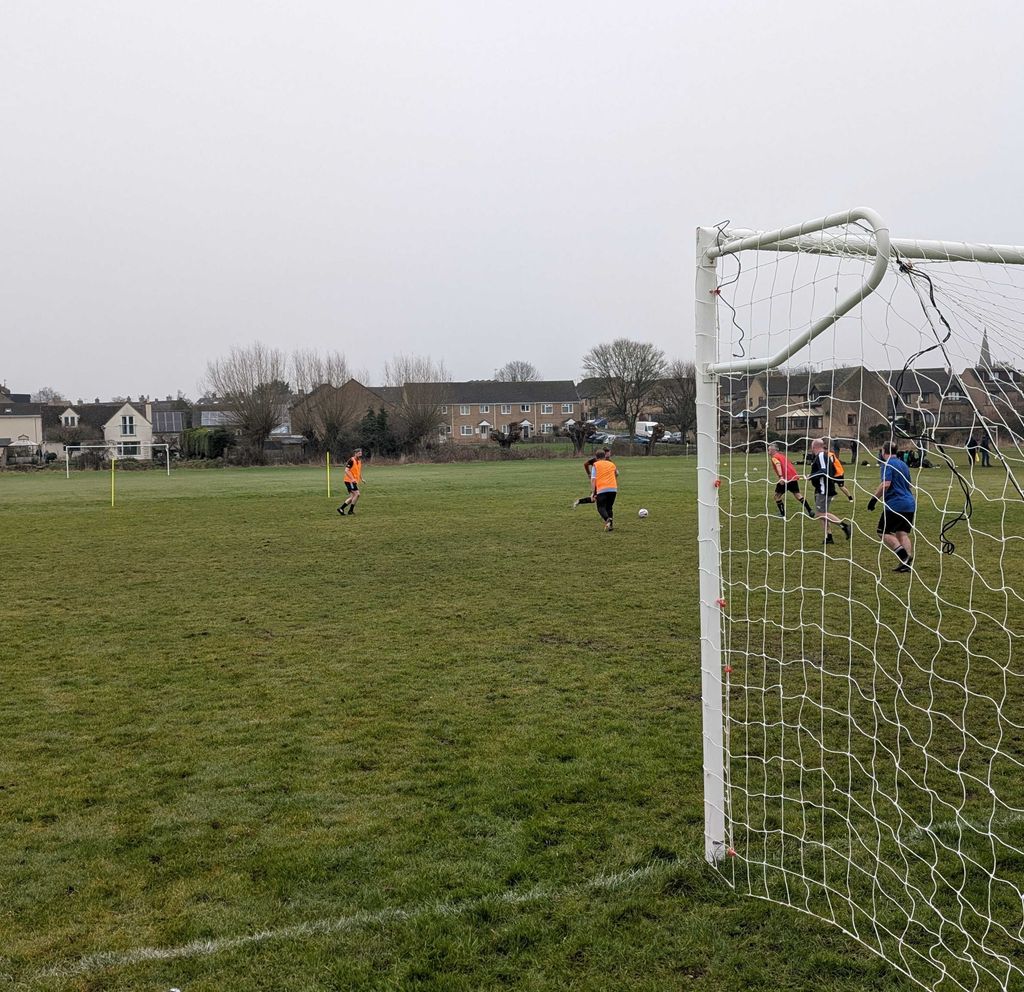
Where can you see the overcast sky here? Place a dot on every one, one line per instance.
(477, 181)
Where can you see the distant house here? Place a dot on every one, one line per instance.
(21, 430)
(996, 394)
(935, 402)
(842, 404)
(21, 422)
(479, 406)
(467, 411)
(323, 409)
(122, 428)
(170, 419)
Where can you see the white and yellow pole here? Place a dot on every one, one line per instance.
(328, 475)
(113, 462)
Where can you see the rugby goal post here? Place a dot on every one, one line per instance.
(122, 450)
(863, 732)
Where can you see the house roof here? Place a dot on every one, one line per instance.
(922, 380)
(491, 391)
(589, 387)
(786, 384)
(95, 415)
(14, 409)
(389, 394)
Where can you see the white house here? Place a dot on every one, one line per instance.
(121, 427)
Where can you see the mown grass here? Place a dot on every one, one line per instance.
(225, 710)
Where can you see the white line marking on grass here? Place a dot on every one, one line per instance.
(339, 924)
(955, 826)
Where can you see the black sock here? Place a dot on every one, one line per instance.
(901, 553)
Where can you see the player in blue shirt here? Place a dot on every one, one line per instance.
(898, 505)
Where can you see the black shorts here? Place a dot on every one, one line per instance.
(352, 487)
(894, 522)
(605, 503)
(781, 487)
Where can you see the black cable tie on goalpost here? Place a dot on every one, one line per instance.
(906, 267)
(720, 228)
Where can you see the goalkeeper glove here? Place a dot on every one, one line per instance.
(872, 503)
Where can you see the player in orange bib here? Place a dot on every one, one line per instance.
(604, 486)
(353, 476)
(587, 466)
(789, 481)
(838, 474)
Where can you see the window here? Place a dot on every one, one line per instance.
(956, 397)
(467, 430)
(547, 408)
(567, 408)
(485, 407)
(814, 422)
(547, 428)
(851, 420)
(907, 398)
(524, 407)
(128, 449)
(71, 420)
(168, 421)
(464, 410)
(926, 397)
(506, 407)
(214, 418)
(444, 409)
(128, 425)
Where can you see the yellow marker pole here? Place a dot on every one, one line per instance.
(328, 475)
(113, 462)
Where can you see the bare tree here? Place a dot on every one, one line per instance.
(426, 388)
(677, 393)
(628, 372)
(324, 411)
(251, 383)
(577, 431)
(517, 372)
(507, 438)
(48, 395)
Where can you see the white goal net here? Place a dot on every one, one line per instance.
(159, 452)
(864, 700)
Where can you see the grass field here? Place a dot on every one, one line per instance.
(452, 742)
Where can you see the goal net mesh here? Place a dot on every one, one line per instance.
(874, 720)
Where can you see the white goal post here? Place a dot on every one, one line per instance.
(122, 451)
(861, 730)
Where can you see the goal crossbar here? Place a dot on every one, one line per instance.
(810, 237)
(735, 239)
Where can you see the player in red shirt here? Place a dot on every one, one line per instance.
(789, 481)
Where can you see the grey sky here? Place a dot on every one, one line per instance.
(475, 181)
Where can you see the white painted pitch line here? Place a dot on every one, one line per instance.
(955, 826)
(339, 924)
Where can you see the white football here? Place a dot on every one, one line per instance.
(643, 513)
